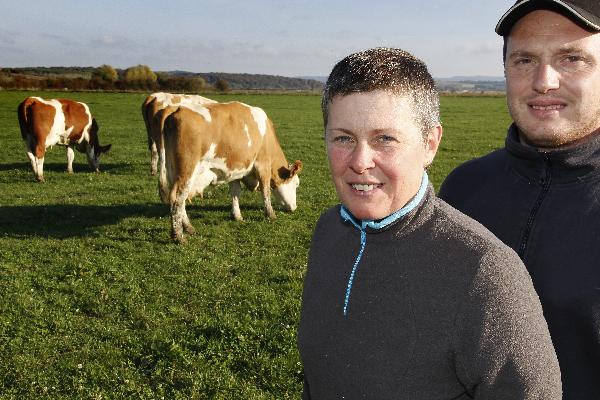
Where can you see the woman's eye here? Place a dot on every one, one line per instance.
(385, 139)
(342, 139)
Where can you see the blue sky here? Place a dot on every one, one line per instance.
(290, 38)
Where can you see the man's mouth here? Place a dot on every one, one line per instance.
(548, 108)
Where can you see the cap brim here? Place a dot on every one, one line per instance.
(581, 17)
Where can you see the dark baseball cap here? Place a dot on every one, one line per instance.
(585, 13)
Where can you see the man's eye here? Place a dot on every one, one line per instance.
(573, 59)
(523, 61)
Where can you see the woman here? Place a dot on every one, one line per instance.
(406, 298)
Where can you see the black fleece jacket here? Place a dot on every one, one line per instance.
(439, 309)
(546, 206)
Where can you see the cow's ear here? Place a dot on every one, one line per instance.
(105, 149)
(295, 168)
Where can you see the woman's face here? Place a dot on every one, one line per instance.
(376, 152)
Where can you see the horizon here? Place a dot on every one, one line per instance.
(263, 37)
(313, 77)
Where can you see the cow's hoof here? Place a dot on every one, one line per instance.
(189, 229)
(40, 179)
(178, 238)
(237, 218)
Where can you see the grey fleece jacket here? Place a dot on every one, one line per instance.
(438, 309)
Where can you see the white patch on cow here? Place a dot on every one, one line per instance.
(163, 98)
(169, 99)
(201, 178)
(195, 99)
(248, 135)
(213, 170)
(286, 193)
(85, 135)
(57, 133)
(260, 118)
(199, 109)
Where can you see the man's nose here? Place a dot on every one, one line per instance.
(546, 78)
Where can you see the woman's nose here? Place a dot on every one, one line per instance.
(362, 158)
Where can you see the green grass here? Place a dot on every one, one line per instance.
(97, 302)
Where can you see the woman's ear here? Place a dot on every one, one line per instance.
(432, 143)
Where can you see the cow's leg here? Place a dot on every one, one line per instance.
(266, 192)
(37, 160)
(70, 158)
(179, 217)
(163, 190)
(154, 158)
(235, 189)
(40, 169)
(33, 162)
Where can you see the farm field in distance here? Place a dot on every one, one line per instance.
(97, 302)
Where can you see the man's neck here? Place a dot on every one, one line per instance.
(546, 149)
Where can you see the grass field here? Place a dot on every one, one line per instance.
(96, 302)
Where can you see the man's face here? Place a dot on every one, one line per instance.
(553, 79)
(376, 152)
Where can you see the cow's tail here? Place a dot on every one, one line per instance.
(24, 115)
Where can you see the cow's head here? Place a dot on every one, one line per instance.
(285, 192)
(94, 150)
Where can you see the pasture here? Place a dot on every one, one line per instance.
(96, 302)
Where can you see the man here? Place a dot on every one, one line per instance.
(540, 194)
(405, 297)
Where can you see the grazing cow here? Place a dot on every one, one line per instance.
(153, 105)
(45, 123)
(219, 143)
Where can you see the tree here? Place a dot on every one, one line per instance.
(222, 85)
(105, 73)
(140, 76)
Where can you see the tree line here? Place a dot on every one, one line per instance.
(141, 77)
(104, 77)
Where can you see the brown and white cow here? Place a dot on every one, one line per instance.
(153, 105)
(45, 123)
(225, 143)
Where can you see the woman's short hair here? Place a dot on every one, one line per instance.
(392, 70)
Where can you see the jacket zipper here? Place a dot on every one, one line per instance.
(545, 181)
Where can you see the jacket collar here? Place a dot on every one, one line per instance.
(564, 165)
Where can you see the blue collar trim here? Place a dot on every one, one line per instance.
(369, 223)
(363, 225)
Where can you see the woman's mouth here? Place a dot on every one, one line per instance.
(365, 187)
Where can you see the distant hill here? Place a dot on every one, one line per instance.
(322, 79)
(471, 84)
(254, 81)
(476, 83)
(476, 78)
